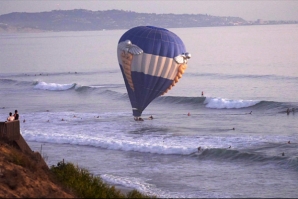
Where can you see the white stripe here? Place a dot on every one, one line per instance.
(153, 65)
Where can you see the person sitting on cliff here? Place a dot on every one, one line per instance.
(10, 118)
(16, 115)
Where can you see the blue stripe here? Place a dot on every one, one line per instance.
(146, 90)
(156, 41)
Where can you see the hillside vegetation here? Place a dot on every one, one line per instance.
(27, 176)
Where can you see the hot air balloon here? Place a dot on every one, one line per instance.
(152, 60)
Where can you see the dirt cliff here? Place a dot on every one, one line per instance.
(26, 175)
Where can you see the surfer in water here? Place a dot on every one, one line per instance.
(288, 111)
(138, 119)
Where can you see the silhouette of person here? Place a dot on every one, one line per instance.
(16, 115)
(202, 94)
(138, 119)
(10, 117)
(151, 117)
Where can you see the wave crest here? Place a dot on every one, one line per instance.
(221, 103)
(54, 86)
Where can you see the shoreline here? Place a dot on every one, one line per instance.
(124, 190)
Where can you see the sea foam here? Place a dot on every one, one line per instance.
(53, 86)
(221, 103)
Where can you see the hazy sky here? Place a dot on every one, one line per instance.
(246, 9)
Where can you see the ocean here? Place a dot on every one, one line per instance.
(73, 105)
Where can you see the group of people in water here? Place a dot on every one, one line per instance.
(141, 119)
(13, 117)
(288, 111)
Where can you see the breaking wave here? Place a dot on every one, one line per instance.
(54, 86)
(222, 103)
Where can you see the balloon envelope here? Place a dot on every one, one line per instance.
(146, 58)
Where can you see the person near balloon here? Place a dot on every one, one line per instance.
(139, 119)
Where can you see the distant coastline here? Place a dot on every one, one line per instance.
(86, 20)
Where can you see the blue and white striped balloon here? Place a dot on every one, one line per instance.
(152, 60)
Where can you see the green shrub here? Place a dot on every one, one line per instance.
(85, 185)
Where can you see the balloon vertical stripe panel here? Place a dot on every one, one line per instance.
(151, 64)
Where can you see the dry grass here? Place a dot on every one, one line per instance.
(27, 176)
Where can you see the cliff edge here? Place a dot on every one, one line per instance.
(24, 173)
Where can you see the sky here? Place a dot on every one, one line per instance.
(250, 10)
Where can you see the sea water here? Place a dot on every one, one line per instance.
(73, 105)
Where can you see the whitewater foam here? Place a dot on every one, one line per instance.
(53, 86)
(134, 183)
(94, 129)
(221, 103)
(149, 189)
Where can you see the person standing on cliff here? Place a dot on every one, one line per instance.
(16, 115)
